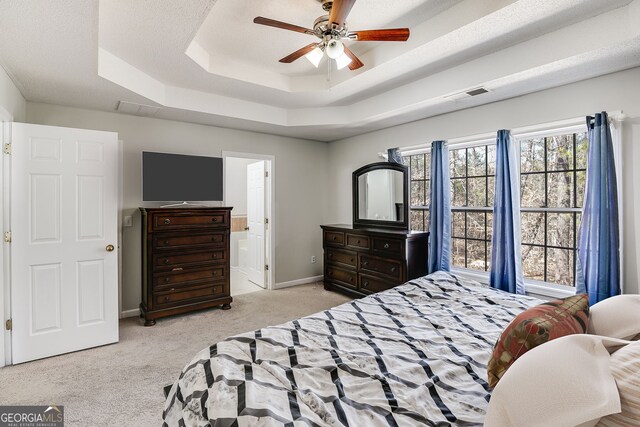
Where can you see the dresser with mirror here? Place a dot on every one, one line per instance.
(378, 250)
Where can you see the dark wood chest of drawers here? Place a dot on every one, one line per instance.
(185, 261)
(362, 261)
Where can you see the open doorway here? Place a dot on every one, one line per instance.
(249, 190)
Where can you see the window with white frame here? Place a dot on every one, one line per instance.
(553, 173)
(552, 183)
(472, 171)
(420, 173)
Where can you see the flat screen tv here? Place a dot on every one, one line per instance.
(181, 178)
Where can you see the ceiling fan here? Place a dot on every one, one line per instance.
(331, 29)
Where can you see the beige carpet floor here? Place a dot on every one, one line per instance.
(121, 384)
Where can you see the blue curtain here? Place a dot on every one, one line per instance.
(394, 155)
(598, 270)
(439, 209)
(506, 259)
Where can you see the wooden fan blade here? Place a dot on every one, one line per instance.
(340, 10)
(390, 35)
(298, 53)
(278, 24)
(355, 62)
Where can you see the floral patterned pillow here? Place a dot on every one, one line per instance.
(536, 326)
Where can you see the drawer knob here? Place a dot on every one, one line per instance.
(393, 269)
(213, 273)
(213, 239)
(365, 284)
(386, 246)
(167, 221)
(166, 298)
(351, 279)
(358, 242)
(330, 255)
(166, 280)
(166, 242)
(172, 289)
(214, 219)
(166, 260)
(351, 260)
(335, 237)
(365, 262)
(331, 273)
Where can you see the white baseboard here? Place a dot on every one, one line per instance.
(298, 282)
(238, 269)
(130, 313)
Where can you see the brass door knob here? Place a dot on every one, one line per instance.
(110, 248)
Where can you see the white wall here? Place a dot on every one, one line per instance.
(11, 100)
(618, 91)
(299, 177)
(235, 184)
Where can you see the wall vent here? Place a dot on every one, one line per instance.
(465, 94)
(137, 109)
(476, 92)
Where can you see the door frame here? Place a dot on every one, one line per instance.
(270, 163)
(120, 222)
(5, 251)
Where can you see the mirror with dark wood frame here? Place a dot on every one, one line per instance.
(381, 196)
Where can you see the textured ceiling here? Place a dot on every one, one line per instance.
(260, 47)
(91, 54)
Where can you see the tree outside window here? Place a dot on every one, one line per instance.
(552, 184)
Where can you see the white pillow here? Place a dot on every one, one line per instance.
(564, 382)
(616, 317)
(625, 367)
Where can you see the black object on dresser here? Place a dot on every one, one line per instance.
(361, 261)
(185, 261)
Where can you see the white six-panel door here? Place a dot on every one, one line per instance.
(256, 223)
(64, 271)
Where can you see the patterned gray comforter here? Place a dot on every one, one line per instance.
(413, 355)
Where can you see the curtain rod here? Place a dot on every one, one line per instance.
(519, 132)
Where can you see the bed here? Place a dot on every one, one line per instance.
(412, 355)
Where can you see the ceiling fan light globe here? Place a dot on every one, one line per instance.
(335, 48)
(315, 56)
(342, 61)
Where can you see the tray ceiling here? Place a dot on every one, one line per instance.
(204, 61)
